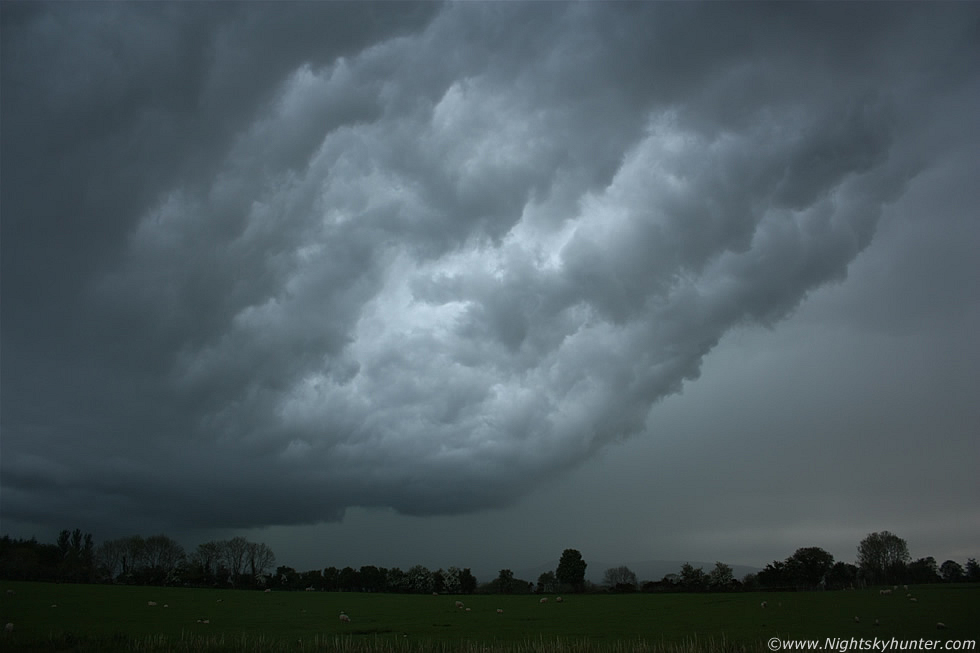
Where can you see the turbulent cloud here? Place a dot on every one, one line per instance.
(422, 265)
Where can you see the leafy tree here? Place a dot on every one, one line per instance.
(467, 581)
(571, 570)
(397, 580)
(505, 582)
(420, 579)
(547, 582)
(923, 570)
(882, 557)
(721, 577)
(373, 579)
(951, 571)
(773, 575)
(841, 576)
(331, 579)
(972, 570)
(620, 579)
(348, 581)
(450, 580)
(808, 566)
(692, 578)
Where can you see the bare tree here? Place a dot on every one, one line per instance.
(619, 578)
(234, 552)
(259, 558)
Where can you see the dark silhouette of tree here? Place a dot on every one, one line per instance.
(467, 581)
(972, 570)
(882, 557)
(923, 570)
(952, 572)
(620, 579)
(693, 579)
(808, 566)
(721, 577)
(547, 582)
(571, 570)
(841, 575)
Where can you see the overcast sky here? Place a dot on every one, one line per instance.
(469, 284)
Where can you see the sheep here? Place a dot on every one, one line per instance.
(151, 603)
(267, 591)
(435, 594)
(544, 599)
(763, 604)
(344, 618)
(558, 600)
(905, 587)
(857, 620)
(877, 623)
(914, 600)
(9, 628)
(310, 589)
(468, 609)
(939, 625)
(166, 605)
(499, 611)
(883, 592)
(459, 604)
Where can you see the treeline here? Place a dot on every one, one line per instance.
(417, 580)
(135, 560)
(883, 559)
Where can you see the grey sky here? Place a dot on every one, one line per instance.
(652, 280)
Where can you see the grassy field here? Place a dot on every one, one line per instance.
(99, 617)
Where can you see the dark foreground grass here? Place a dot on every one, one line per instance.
(49, 617)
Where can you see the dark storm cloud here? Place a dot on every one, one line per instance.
(263, 264)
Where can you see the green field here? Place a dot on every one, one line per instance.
(100, 617)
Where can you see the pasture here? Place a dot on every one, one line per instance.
(56, 617)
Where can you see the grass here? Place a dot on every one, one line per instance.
(111, 618)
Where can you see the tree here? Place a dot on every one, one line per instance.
(923, 570)
(882, 557)
(109, 559)
(419, 579)
(841, 575)
(808, 566)
(571, 570)
(234, 552)
(467, 581)
(721, 577)
(547, 582)
(774, 575)
(620, 579)
(258, 558)
(691, 578)
(951, 571)
(972, 570)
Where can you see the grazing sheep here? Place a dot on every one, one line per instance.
(914, 600)
(10, 628)
(54, 605)
(764, 604)
(543, 600)
(166, 605)
(344, 618)
(459, 604)
(884, 591)
(310, 589)
(267, 591)
(877, 623)
(939, 625)
(467, 609)
(435, 594)
(558, 600)
(499, 611)
(857, 620)
(151, 602)
(905, 587)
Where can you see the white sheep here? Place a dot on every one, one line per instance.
(543, 600)
(764, 604)
(499, 611)
(905, 587)
(459, 604)
(267, 591)
(939, 625)
(857, 620)
(914, 600)
(10, 628)
(467, 609)
(310, 589)
(344, 618)
(151, 602)
(558, 600)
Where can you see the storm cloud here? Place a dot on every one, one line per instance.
(262, 264)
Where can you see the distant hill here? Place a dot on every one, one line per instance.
(645, 570)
